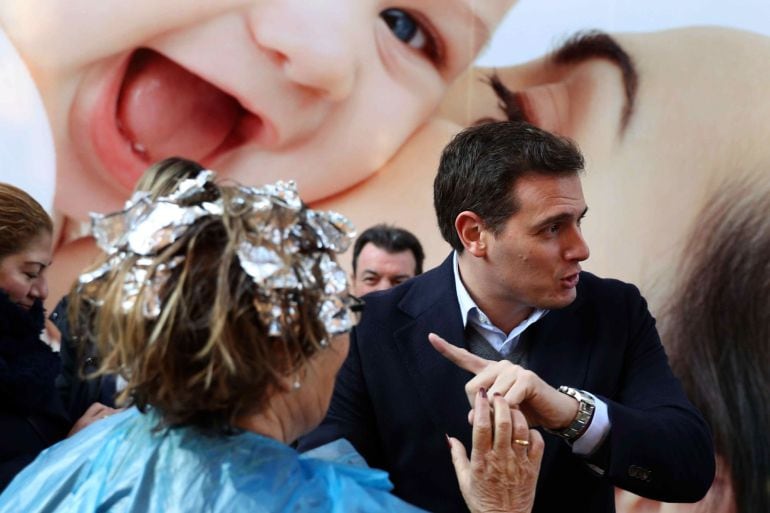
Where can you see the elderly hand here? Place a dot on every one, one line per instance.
(540, 403)
(505, 459)
(97, 411)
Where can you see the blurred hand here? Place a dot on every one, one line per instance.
(97, 411)
(540, 403)
(52, 332)
(502, 471)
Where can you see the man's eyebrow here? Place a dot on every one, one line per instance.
(595, 44)
(557, 218)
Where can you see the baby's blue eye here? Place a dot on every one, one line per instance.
(405, 27)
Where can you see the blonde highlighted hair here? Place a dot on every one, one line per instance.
(207, 358)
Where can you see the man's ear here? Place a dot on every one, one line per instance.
(470, 229)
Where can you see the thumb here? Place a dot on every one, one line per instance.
(459, 457)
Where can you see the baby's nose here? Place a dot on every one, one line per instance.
(312, 43)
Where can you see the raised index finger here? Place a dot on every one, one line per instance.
(458, 355)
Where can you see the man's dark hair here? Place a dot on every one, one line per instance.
(392, 240)
(481, 165)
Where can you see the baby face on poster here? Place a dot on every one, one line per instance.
(323, 92)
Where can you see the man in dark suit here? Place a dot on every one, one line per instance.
(579, 355)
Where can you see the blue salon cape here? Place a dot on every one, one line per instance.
(120, 464)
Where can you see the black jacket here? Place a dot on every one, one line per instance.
(78, 361)
(32, 416)
(395, 397)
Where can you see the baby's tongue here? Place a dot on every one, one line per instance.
(165, 110)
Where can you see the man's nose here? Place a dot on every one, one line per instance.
(312, 42)
(577, 249)
(383, 284)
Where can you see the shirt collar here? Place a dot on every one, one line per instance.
(467, 304)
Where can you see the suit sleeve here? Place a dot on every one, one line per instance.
(659, 446)
(75, 390)
(351, 415)
(67, 381)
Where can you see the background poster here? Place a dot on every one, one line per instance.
(699, 114)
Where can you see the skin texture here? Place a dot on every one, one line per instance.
(498, 430)
(23, 274)
(292, 412)
(380, 270)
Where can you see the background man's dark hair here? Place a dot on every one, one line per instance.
(392, 240)
(480, 166)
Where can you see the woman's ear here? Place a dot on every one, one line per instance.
(471, 231)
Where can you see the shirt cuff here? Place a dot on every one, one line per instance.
(596, 432)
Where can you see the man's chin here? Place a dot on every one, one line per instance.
(563, 300)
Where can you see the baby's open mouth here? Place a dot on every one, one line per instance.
(164, 110)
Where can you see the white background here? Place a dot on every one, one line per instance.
(533, 27)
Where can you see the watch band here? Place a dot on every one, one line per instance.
(579, 425)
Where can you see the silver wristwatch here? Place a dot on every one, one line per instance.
(582, 420)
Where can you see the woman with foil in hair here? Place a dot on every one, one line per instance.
(226, 313)
(85, 394)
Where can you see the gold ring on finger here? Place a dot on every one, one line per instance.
(517, 441)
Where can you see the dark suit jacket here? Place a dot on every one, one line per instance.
(77, 391)
(31, 415)
(395, 397)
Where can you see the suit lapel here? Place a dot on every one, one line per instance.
(439, 384)
(559, 346)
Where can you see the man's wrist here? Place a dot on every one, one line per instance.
(585, 412)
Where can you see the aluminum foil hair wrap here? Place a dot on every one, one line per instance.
(283, 246)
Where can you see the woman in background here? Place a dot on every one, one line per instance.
(31, 415)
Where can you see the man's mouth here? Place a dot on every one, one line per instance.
(571, 280)
(163, 110)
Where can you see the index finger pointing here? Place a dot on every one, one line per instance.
(458, 355)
